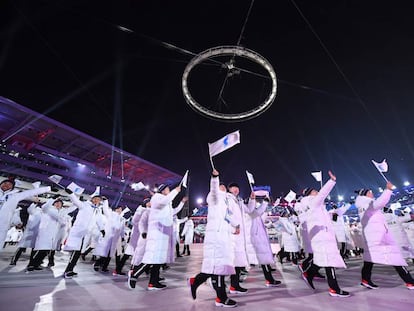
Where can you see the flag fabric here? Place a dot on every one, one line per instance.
(124, 211)
(224, 143)
(36, 184)
(261, 191)
(55, 178)
(290, 196)
(407, 209)
(138, 186)
(381, 167)
(78, 190)
(96, 192)
(250, 177)
(184, 180)
(317, 176)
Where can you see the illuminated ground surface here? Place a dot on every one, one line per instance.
(47, 290)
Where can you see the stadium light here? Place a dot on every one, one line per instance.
(199, 200)
(406, 183)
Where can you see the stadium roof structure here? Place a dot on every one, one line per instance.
(34, 147)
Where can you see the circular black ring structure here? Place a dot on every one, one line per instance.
(229, 51)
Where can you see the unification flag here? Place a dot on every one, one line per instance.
(55, 178)
(138, 186)
(224, 143)
(317, 176)
(290, 196)
(78, 190)
(250, 177)
(96, 192)
(36, 184)
(381, 167)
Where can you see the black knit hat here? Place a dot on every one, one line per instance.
(146, 200)
(362, 191)
(233, 184)
(161, 187)
(307, 191)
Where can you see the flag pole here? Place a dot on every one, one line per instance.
(383, 176)
(212, 164)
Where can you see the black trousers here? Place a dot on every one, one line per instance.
(17, 254)
(74, 257)
(330, 275)
(402, 272)
(37, 258)
(235, 278)
(267, 273)
(155, 274)
(217, 281)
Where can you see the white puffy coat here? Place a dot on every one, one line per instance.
(142, 242)
(290, 239)
(114, 231)
(237, 208)
(160, 240)
(88, 216)
(8, 204)
(380, 246)
(51, 223)
(339, 224)
(258, 234)
(32, 227)
(320, 229)
(301, 210)
(133, 238)
(218, 256)
(395, 225)
(188, 232)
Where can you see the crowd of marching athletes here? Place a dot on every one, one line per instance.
(236, 235)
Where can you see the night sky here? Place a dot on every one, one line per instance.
(344, 97)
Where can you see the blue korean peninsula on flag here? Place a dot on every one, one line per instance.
(224, 143)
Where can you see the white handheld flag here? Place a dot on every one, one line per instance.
(75, 188)
(96, 192)
(55, 178)
(224, 143)
(317, 176)
(381, 167)
(290, 196)
(184, 180)
(250, 177)
(125, 210)
(36, 184)
(138, 186)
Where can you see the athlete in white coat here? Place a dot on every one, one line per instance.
(9, 198)
(53, 218)
(30, 233)
(380, 246)
(238, 209)
(88, 215)
(107, 245)
(259, 239)
(160, 243)
(218, 255)
(322, 238)
(395, 224)
(188, 235)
